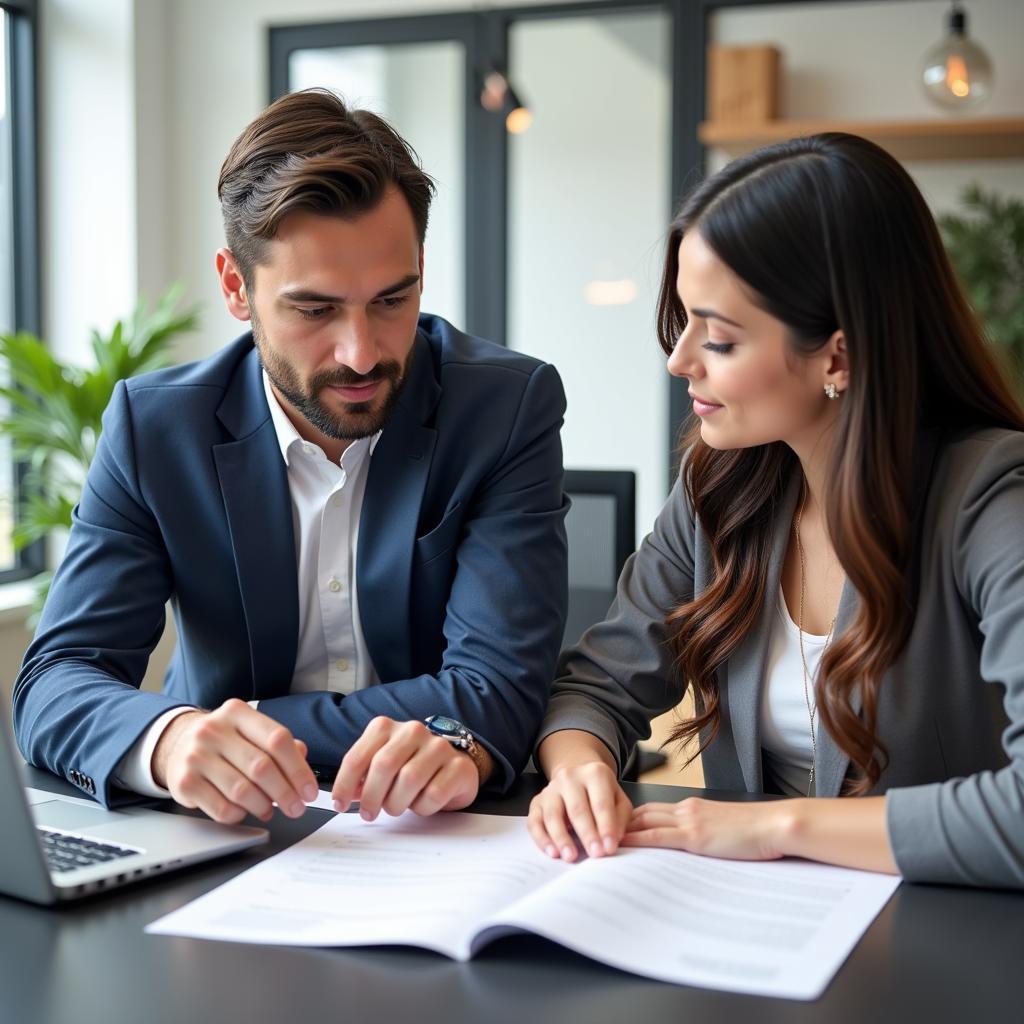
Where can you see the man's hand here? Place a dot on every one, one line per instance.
(232, 762)
(400, 766)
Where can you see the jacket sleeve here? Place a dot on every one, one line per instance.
(505, 615)
(77, 704)
(971, 830)
(621, 674)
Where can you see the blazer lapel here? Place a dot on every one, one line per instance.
(397, 478)
(254, 486)
(831, 764)
(748, 662)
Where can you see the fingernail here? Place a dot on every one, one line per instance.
(339, 807)
(309, 792)
(609, 844)
(596, 849)
(296, 809)
(365, 815)
(568, 852)
(550, 850)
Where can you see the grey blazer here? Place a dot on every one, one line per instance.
(951, 708)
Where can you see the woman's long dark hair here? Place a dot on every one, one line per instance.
(831, 233)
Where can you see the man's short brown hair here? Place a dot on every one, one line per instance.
(308, 151)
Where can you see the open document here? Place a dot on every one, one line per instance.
(454, 882)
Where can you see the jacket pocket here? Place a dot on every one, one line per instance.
(443, 537)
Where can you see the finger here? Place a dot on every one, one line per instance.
(356, 762)
(556, 823)
(260, 770)
(194, 790)
(581, 818)
(536, 828)
(415, 776)
(663, 838)
(448, 785)
(647, 817)
(610, 816)
(239, 790)
(298, 781)
(463, 790)
(669, 808)
(384, 767)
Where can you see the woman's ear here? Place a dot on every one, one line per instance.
(837, 369)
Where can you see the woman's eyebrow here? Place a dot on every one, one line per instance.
(710, 314)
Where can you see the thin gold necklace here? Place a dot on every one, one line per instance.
(812, 709)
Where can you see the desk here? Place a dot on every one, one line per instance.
(934, 954)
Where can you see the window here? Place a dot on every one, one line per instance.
(19, 302)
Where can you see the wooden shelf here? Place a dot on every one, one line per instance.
(973, 139)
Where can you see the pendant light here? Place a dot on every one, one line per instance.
(957, 72)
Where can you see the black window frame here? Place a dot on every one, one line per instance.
(486, 36)
(22, 92)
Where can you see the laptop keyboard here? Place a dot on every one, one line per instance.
(66, 852)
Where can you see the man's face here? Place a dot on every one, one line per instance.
(334, 309)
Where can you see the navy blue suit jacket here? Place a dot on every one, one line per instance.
(461, 563)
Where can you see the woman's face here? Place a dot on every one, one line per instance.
(748, 386)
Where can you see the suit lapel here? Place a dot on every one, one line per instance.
(397, 478)
(254, 486)
(748, 662)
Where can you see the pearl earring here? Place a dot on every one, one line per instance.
(831, 392)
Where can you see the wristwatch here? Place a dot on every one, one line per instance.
(459, 737)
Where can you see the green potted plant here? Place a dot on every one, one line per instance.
(986, 244)
(54, 410)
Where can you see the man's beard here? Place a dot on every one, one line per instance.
(360, 418)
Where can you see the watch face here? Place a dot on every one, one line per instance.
(444, 726)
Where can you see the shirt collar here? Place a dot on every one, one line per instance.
(287, 435)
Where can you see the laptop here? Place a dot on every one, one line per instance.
(58, 848)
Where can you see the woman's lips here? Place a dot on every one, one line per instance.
(703, 408)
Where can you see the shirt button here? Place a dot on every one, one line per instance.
(334, 585)
(341, 665)
(308, 449)
(338, 501)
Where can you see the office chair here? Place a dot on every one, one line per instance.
(601, 527)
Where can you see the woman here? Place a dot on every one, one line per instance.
(839, 572)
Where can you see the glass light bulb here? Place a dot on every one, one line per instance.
(957, 72)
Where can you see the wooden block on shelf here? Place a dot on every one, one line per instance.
(743, 83)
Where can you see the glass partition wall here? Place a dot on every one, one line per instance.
(588, 206)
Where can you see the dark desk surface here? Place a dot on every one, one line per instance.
(934, 954)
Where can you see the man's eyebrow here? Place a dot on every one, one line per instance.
(710, 314)
(302, 295)
(400, 286)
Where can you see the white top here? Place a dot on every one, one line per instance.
(327, 502)
(785, 723)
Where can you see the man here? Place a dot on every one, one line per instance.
(356, 512)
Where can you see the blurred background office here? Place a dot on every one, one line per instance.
(548, 229)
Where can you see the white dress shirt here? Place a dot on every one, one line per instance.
(327, 501)
(785, 716)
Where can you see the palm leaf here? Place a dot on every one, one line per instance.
(52, 411)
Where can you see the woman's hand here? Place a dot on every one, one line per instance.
(844, 831)
(738, 831)
(581, 798)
